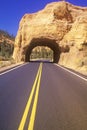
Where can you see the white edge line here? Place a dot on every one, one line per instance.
(12, 69)
(71, 72)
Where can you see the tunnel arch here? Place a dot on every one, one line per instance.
(43, 42)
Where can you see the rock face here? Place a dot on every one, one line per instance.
(6, 37)
(60, 26)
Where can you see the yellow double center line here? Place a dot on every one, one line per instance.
(36, 86)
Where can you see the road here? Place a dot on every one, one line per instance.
(42, 96)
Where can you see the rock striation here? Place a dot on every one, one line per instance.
(62, 22)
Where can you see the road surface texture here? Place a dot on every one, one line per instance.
(42, 96)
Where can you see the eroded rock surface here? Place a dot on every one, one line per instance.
(61, 22)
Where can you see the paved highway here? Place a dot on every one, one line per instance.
(42, 96)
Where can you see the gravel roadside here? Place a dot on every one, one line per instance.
(2, 69)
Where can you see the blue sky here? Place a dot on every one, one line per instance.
(11, 11)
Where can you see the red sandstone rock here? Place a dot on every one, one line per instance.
(59, 25)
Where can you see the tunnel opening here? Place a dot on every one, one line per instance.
(42, 53)
(46, 43)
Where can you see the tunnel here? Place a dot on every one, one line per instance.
(43, 42)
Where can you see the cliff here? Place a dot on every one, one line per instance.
(62, 22)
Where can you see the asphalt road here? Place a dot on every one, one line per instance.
(44, 96)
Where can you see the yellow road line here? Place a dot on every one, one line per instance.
(33, 113)
(23, 121)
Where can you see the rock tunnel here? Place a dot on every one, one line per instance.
(43, 42)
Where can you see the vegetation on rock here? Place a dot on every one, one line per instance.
(6, 45)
